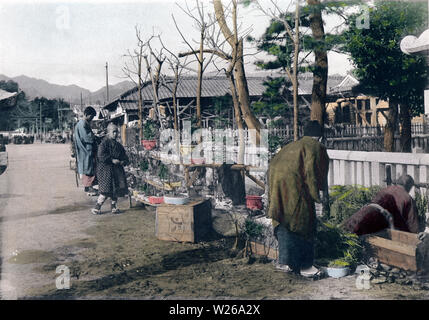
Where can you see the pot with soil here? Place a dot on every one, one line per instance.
(254, 202)
(149, 131)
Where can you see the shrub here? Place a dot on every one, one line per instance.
(346, 200)
(334, 246)
(422, 208)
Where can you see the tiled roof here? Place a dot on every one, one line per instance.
(6, 95)
(211, 87)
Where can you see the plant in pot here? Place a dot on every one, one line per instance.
(173, 196)
(338, 250)
(149, 132)
(144, 166)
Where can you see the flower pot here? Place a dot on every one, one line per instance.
(149, 144)
(156, 200)
(176, 199)
(254, 202)
(337, 272)
(198, 160)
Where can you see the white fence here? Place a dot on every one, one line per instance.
(369, 168)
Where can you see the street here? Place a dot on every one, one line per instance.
(40, 208)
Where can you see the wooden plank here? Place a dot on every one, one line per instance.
(392, 245)
(258, 182)
(394, 258)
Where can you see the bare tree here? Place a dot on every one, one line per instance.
(136, 71)
(203, 25)
(157, 58)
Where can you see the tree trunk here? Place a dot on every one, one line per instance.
(238, 120)
(243, 94)
(320, 73)
(200, 78)
(295, 75)
(239, 74)
(405, 129)
(390, 128)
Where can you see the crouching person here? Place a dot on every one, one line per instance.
(112, 181)
(392, 207)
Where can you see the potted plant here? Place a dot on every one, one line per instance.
(254, 202)
(338, 268)
(144, 166)
(149, 132)
(172, 197)
(338, 250)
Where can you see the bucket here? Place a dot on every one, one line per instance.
(149, 144)
(254, 202)
(198, 161)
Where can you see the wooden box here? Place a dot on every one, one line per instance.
(262, 249)
(188, 223)
(399, 249)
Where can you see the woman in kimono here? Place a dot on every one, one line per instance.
(112, 182)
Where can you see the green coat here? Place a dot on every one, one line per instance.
(296, 174)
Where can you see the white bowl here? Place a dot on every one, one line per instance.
(176, 200)
(337, 272)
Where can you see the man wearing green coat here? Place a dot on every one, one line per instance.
(296, 175)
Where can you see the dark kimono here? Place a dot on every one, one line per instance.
(112, 180)
(394, 199)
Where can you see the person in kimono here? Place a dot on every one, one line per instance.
(392, 207)
(111, 159)
(297, 173)
(84, 140)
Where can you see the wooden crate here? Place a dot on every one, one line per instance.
(188, 223)
(261, 249)
(399, 249)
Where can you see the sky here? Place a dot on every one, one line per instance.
(69, 42)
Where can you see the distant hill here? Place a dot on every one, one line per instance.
(71, 93)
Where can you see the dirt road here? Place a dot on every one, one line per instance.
(46, 223)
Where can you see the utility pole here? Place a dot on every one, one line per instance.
(40, 107)
(107, 83)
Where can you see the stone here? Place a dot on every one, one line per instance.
(390, 279)
(405, 282)
(375, 273)
(395, 270)
(385, 267)
(379, 280)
